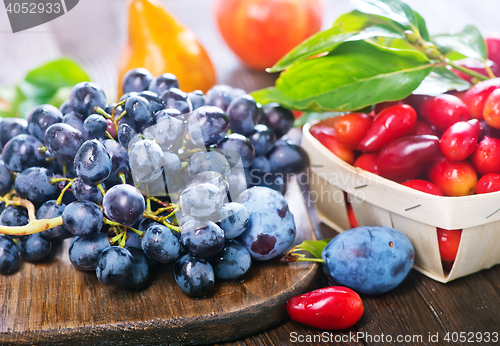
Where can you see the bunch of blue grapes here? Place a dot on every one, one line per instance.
(161, 177)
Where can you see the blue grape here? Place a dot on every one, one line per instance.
(5, 179)
(202, 239)
(260, 167)
(76, 120)
(84, 251)
(271, 229)
(201, 200)
(63, 141)
(119, 159)
(197, 99)
(124, 204)
(160, 244)
(235, 219)
(203, 161)
(35, 185)
(146, 161)
(237, 183)
(167, 132)
(279, 119)
(14, 216)
(171, 163)
(11, 127)
(96, 125)
(133, 240)
(177, 99)
(50, 210)
(139, 274)
(262, 139)
(85, 97)
(137, 79)
(287, 158)
(194, 276)
(21, 152)
(167, 112)
(232, 262)
(128, 95)
(125, 134)
(154, 100)
(370, 259)
(34, 247)
(243, 114)
(66, 108)
(213, 178)
(41, 118)
(237, 149)
(82, 218)
(9, 256)
(84, 191)
(92, 162)
(207, 125)
(163, 83)
(220, 96)
(139, 108)
(114, 265)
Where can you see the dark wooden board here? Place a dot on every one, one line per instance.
(54, 303)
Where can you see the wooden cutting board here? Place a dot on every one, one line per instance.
(53, 303)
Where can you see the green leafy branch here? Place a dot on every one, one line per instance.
(379, 52)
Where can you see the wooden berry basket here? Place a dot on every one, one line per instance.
(379, 201)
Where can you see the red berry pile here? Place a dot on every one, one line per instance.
(445, 145)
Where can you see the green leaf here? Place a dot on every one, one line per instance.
(357, 74)
(395, 10)
(311, 116)
(439, 81)
(44, 84)
(328, 40)
(324, 41)
(314, 247)
(422, 27)
(468, 42)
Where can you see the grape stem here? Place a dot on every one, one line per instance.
(61, 195)
(34, 225)
(122, 177)
(294, 256)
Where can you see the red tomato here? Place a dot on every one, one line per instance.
(453, 178)
(444, 110)
(449, 241)
(407, 157)
(392, 123)
(424, 186)
(326, 136)
(351, 128)
(459, 141)
(330, 308)
(491, 112)
(486, 157)
(368, 162)
(476, 96)
(488, 183)
(260, 32)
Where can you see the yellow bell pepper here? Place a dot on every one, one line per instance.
(159, 43)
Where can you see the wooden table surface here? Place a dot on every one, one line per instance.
(420, 311)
